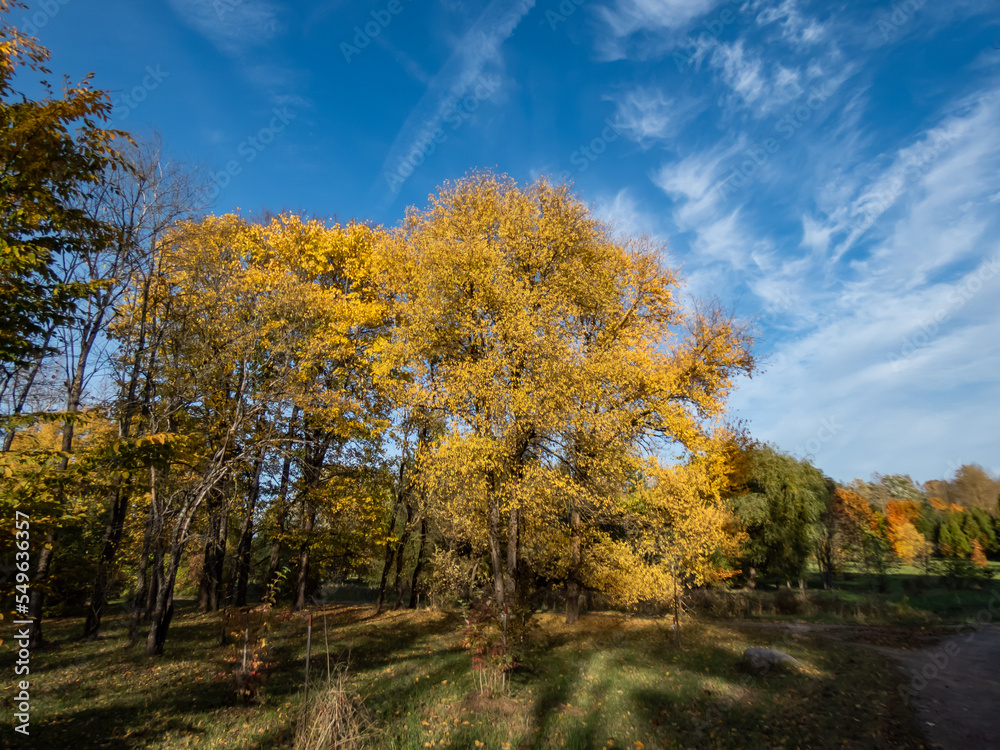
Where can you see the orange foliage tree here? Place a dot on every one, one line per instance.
(848, 517)
(908, 543)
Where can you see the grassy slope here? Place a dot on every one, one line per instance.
(608, 680)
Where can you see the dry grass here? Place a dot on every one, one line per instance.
(335, 719)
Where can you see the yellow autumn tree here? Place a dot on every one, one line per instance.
(558, 355)
(264, 336)
(908, 543)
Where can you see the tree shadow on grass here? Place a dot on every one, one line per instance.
(133, 721)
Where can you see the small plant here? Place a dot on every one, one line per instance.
(492, 659)
(249, 632)
(335, 718)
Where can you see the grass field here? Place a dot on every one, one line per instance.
(610, 681)
(907, 596)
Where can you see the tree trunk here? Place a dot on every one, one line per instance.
(156, 576)
(573, 585)
(420, 562)
(140, 604)
(496, 556)
(400, 553)
(390, 548)
(241, 572)
(211, 585)
(272, 564)
(112, 539)
(309, 519)
(282, 504)
(513, 557)
(163, 608)
(35, 597)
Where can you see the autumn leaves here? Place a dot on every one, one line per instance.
(556, 362)
(547, 366)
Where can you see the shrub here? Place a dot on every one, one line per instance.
(492, 658)
(789, 602)
(452, 578)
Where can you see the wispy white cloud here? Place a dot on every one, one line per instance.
(692, 183)
(950, 166)
(624, 214)
(893, 346)
(477, 50)
(233, 27)
(624, 18)
(244, 30)
(745, 72)
(795, 27)
(646, 114)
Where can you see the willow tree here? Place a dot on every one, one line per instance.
(781, 507)
(555, 353)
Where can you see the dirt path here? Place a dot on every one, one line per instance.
(953, 682)
(955, 687)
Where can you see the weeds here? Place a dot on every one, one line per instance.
(335, 718)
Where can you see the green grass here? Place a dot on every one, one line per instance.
(909, 597)
(610, 681)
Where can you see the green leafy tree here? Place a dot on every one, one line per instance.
(52, 150)
(952, 539)
(780, 508)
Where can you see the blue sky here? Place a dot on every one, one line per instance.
(833, 169)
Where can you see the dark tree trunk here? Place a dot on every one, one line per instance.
(112, 539)
(211, 586)
(573, 586)
(420, 562)
(513, 557)
(35, 597)
(282, 505)
(156, 577)
(163, 607)
(140, 603)
(242, 567)
(274, 560)
(387, 563)
(401, 552)
(496, 557)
